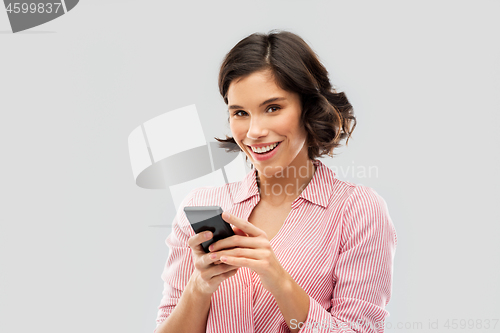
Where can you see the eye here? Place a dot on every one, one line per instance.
(274, 108)
(239, 113)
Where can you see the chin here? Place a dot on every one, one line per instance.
(269, 170)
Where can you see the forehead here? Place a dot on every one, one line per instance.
(254, 87)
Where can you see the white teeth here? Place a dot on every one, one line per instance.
(264, 149)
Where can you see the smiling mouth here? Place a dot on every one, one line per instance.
(264, 150)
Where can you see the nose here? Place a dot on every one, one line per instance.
(257, 129)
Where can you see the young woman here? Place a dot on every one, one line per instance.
(311, 253)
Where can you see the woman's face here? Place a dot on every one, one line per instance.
(265, 123)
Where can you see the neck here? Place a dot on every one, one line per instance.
(285, 186)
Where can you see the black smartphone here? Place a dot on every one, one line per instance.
(203, 218)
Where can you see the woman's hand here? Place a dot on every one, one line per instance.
(250, 248)
(207, 275)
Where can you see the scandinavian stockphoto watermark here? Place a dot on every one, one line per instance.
(355, 171)
(294, 175)
(24, 15)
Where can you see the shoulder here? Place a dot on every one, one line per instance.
(352, 196)
(365, 209)
(364, 201)
(366, 196)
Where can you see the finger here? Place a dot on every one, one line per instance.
(195, 241)
(203, 261)
(239, 252)
(238, 231)
(231, 273)
(210, 258)
(253, 264)
(223, 269)
(239, 241)
(216, 270)
(224, 276)
(207, 259)
(243, 225)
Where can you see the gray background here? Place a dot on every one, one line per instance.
(76, 250)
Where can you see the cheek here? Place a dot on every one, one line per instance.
(294, 127)
(299, 137)
(237, 130)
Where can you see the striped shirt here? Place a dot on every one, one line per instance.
(338, 243)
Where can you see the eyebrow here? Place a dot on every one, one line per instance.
(270, 100)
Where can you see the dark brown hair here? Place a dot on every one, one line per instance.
(327, 115)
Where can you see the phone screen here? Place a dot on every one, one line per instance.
(208, 218)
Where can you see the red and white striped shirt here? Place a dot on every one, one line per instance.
(337, 243)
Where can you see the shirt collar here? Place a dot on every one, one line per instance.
(248, 188)
(318, 191)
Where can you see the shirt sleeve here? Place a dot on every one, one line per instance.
(179, 265)
(363, 271)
